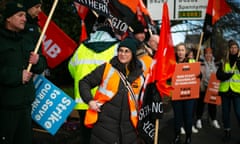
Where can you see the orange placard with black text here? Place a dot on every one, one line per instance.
(186, 81)
(212, 96)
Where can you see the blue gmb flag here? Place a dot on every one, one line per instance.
(51, 106)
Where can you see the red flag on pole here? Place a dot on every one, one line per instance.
(215, 10)
(165, 60)
(57, 46)
(82, 12)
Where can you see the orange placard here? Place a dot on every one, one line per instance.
(185, 81)
(212, 96)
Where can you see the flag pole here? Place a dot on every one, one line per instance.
(199, 46)
(43, 32)
(157, 120)
(156, 131)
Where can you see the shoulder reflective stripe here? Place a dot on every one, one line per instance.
(134, 113)
(79, 100)
(103, 87)
(143, 64)
(231, 80)
(234, 80)
(142, 80)
(115, 49)
(90, 61)
(236, 71)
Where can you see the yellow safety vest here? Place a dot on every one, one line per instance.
(82, 63)
(108, 89)
(233, 82)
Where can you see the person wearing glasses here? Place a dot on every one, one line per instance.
(112, 112)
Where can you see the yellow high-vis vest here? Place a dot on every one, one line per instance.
(82, 63)
(233, 82)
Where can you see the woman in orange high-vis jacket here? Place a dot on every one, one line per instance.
(112, 112)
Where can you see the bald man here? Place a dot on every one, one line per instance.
(153, 44)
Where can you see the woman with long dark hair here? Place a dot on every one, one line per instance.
(112, 111)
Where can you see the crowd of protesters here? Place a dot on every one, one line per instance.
(108, 74)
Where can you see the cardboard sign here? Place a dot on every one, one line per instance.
(51, 106)
(212, 96)
(185, 81)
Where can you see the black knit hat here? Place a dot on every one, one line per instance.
(30, 3)
(12, 8)
(130, 43)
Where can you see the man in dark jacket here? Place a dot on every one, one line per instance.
(16, 84)
(33, 8)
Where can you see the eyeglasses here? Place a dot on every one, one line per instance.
(126, 51)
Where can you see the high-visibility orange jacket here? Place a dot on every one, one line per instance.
(146, 61)
(108, 89)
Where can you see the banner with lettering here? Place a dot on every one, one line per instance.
(57, 46)
(51, 106)
(186, 81)
(107, 8)
(151, 109)
(212, 96)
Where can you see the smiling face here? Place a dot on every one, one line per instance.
(124, 55)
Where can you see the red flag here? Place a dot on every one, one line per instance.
(144, 17)
(165, 60)
(57, 46)
(82, 12)
(220, 8)
(215, 10)
(142, 12)
(84, 35)
(123, 9)
(132, 4)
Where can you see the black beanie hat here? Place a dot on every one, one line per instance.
(12, 8)
(130, 43)
(30, 3)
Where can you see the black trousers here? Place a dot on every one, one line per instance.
(85, 132)
(212, 108)
(16, 126)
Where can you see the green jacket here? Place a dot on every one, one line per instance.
(15, 50)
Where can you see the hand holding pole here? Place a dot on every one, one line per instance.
(43, 31)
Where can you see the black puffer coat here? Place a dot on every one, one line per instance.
(113, 125)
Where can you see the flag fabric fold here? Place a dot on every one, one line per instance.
(82, 12)
(56, 46)
(164, 58)
(215, 10)
(121, 13)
